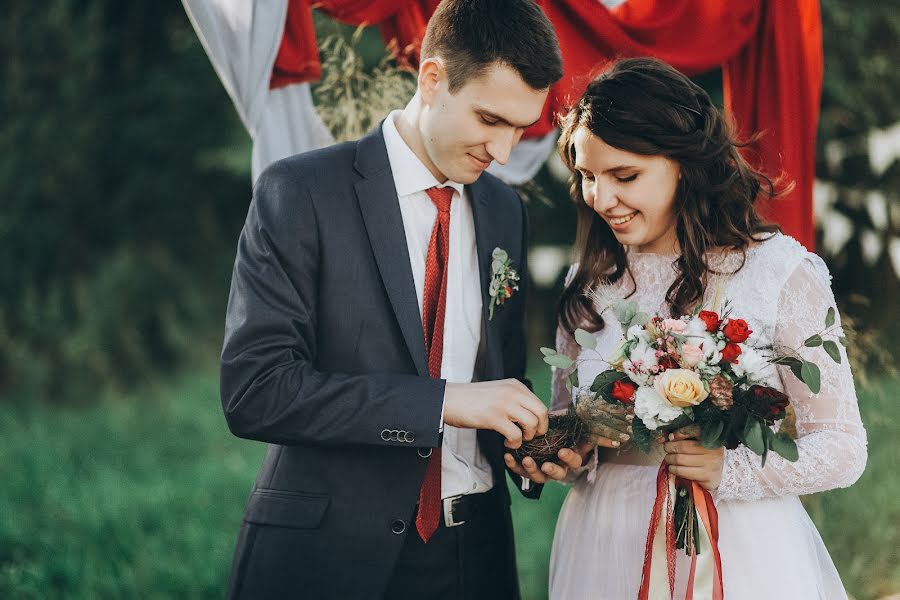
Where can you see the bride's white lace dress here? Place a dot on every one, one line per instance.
(769, 546)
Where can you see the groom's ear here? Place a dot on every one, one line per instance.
(432, 77)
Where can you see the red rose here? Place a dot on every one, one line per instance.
(770, 402)
(731, 352)
(737, 331)
(623, 391)
(711, 319)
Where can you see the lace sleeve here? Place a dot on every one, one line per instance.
(831, 439)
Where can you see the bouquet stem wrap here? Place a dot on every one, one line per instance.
(658, 579)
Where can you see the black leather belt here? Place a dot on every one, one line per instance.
(456, 510)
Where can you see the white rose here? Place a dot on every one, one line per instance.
(652, 409)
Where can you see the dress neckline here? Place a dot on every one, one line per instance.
(718, 255)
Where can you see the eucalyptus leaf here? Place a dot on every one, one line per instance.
(753, 436)
(560, 361)
(624, 311)
(547, 351)
(710, 433)
(640, 318)
(810, 375)
(783, 445)
(605, 380)
(585, 339)
(832, 349)
(499, 254)
(497, 265)
(843, 340)
(829, 318)
(813, 341)
(573, 378)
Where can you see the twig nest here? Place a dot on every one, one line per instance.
(564, 432)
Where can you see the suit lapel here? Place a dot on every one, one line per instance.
(485, 241)
(380, 210)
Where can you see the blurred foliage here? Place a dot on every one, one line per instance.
(120, 211)
(352, 99)
(126, 180)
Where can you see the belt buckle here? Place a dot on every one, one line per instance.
(448, 504)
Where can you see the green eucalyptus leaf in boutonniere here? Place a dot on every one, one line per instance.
(504, 280)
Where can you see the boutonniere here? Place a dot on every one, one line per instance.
(504, 280)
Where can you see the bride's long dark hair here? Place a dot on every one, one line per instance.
(644, 106)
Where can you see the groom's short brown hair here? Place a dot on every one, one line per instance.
(471, 35)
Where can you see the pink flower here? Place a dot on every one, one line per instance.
(691, 355)
(674, 325)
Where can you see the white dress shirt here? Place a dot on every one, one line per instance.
(464, 468)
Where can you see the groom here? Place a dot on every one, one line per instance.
(358, 340)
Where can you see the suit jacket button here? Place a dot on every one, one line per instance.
(424, 452)
(386, 435)
(398, 526)
(394, 435)
(410, 437)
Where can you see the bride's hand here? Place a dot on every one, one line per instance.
(608, 425)
(688, 458)
(571, 458)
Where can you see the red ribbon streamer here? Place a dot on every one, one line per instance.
(663, 508)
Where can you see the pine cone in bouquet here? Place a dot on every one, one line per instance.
(564, 431)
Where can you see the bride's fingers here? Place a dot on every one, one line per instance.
(692, 473)
(569, 457)
(554, 471)
(605, 442)
(593, 409)
(602, 430)
(686, 460)
(522, 471)
(685, 433)
(685, 447)
(532, 471)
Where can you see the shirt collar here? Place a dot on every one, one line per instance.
(410, 174)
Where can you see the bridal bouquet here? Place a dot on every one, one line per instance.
(698, 369)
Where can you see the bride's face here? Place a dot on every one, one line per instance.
(633, 193)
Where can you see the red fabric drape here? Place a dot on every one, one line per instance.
(770, 52)
(773, 86)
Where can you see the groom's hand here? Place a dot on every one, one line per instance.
(571, 458)
(507, 407)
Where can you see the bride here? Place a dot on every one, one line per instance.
(666, 215)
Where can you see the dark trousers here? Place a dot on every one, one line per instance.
(473, 561)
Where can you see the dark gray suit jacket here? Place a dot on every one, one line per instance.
(324, 354)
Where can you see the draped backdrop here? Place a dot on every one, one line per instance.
(769, 51)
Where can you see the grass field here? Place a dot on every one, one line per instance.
(141, 497)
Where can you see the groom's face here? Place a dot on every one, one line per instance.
(465, 131)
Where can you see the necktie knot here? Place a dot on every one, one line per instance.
(441, 196)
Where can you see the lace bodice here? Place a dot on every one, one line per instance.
(783, 292)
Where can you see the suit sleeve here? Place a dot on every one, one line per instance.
(271, 390)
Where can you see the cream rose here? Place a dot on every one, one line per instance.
(680, 387)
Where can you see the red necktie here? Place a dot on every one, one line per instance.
(434, 305)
